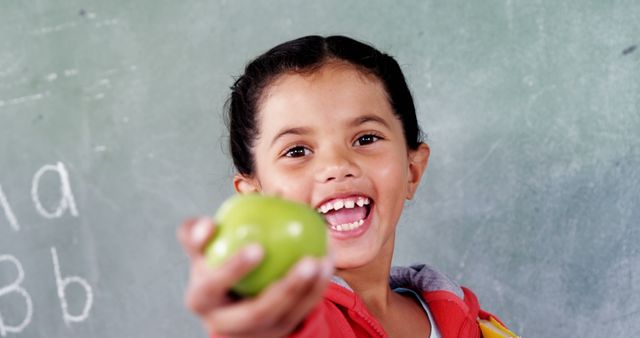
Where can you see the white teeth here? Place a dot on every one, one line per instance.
(343, 203)
(353, 225)
(348, 226)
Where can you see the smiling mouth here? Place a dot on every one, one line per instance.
(346, 214)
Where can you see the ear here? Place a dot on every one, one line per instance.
(418, 160)
(245, 184)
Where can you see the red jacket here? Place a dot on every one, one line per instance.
(343, 314)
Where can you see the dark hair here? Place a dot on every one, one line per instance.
(307, 54)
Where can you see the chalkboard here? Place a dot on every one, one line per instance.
(111, 134)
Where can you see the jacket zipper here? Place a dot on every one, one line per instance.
(371, 324)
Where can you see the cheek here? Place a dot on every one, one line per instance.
(391, 172)
(391, 184)
(287, 186)
(278, 180)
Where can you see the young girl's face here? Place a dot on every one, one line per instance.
(330, 139)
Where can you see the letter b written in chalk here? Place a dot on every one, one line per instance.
(62, 283)
(15, 287)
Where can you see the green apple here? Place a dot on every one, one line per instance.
(286, 230)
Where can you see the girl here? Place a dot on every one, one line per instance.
(329, 122)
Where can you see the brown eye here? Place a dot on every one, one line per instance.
(298, 151)
(366, 139)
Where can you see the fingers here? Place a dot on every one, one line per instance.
(208, 287)
(194, 234)
(277, 311)
(280, 307)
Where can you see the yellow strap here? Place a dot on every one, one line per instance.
(493, 329)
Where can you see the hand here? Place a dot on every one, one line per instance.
(276, 312)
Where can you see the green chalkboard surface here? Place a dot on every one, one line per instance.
(111, 134)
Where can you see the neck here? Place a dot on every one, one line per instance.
(371, 282)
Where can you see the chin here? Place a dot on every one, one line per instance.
(352, 259)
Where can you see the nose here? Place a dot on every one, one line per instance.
(336, 166)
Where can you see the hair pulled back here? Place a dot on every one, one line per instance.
(306, 54)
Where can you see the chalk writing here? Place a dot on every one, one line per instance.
(24, 99)
(62, 284)
(8, 213)
(67, 200)
(15, 288)
(66, 203)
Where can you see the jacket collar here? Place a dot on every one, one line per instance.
(423, 278)
(419, 277)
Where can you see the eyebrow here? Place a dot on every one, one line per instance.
(360, 120)
(291, 131)
(368, 118)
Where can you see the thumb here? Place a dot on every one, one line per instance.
(194, 234)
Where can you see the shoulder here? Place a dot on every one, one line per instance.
(456, 309)
(423, 278)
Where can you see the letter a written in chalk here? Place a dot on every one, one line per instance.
(67, 202)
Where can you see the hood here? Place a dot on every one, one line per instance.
(424, 278)
(419, 277)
